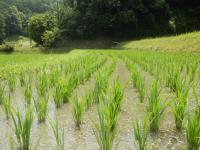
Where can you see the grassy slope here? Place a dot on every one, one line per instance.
(185, 42)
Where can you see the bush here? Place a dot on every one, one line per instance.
(7, 48)
(49, 38)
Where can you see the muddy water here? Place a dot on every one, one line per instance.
(84, 139)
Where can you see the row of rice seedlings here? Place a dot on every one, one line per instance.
(78, 110)
(22, 127)
(41, 107)
(193, 127)
(64, 88)
(108, 114)
(101, 83)
(58, 134)
(155, 107)
(138, 81)
(105, 132)
(141, 131)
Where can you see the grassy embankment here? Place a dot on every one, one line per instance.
(189, 42)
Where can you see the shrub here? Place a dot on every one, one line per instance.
(49, 38)
(7, 48)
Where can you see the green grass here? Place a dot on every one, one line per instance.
(186, 42)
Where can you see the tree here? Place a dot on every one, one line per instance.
(40, 24)
(2, 28)
(13, 20)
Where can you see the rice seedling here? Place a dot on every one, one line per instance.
(41, 107)
(180, 105)
(69, 86)
(154, 95)
(7, 106)
(193, 127)
(59, 93)
(11, 82)
(1, 94)
(88, 99)
(58, 134)
(42, 84)
(54, 76)
(100, 86)
(78, 110)
(118, 94)
(104, 131)
(155, 108)
(141, 131)
(22, 77)
(22, 127)
(28, 94)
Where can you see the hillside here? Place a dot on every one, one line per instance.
(184, 42)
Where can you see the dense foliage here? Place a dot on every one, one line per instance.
(90, 18)
(14, 15)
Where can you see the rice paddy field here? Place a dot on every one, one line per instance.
(100, 100)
